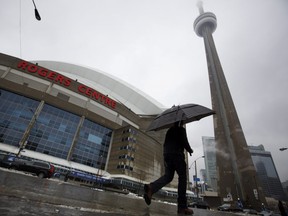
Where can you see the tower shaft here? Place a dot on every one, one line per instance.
(236, 174)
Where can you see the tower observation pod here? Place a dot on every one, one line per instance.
(205, 21)
(236, 174)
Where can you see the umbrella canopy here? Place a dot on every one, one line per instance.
(185, 113)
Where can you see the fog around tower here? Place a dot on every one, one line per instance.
(152, 45)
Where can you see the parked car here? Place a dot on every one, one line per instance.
(199, 204)
(229, 207)
(40, 168)
(6, 160)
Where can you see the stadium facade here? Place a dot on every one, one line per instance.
(79, 119)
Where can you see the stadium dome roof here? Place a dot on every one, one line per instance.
(122, 92)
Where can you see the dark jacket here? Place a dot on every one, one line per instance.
(176, 141)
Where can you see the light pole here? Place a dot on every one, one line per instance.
(37, 15)
(195, 179)
(99, 181)
(98, 171)
(24, 140)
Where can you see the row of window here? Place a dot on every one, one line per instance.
(127, 147)
(123, 166)
(130, 131)
(125, 156)
(129, 139)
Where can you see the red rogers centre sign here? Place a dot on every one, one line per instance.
(66, 82)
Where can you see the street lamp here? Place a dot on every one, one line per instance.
(101, 156)
(99, 179)
(283, 149)
(24, 140)
(195, 179)
(37, 15)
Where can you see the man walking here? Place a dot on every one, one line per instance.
(174, 160)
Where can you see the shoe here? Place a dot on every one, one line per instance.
(147, 194)
(185, 211)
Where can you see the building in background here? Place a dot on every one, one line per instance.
(203, 175)
(210, 161)
(285, 188)
(267, 172)
(79, 119)
(234, 164)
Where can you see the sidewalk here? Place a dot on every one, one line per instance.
(22, 194)
(31, 189)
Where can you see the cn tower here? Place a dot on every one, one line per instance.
(236, 174)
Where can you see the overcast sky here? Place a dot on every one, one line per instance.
(151, 44)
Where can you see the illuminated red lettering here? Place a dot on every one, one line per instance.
(51, 75)
(96, 95)
(59, 78)
(103, 98)
(108, 101)
(22, 65)
(67, 82)
(88, 92)
(42, 72)
(81, 88)
(54, 76)
(113, 104)
(32, 68)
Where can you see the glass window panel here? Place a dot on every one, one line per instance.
(52, 136)
(16, 112)
(93, 145)
(95, 139)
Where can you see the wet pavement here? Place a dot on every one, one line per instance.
(22, 194)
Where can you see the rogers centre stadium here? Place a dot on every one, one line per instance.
(79, 119)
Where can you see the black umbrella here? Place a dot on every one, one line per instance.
(185, 113)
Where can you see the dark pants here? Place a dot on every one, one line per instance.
(173, 162)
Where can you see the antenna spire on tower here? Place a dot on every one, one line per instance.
(200, 7)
